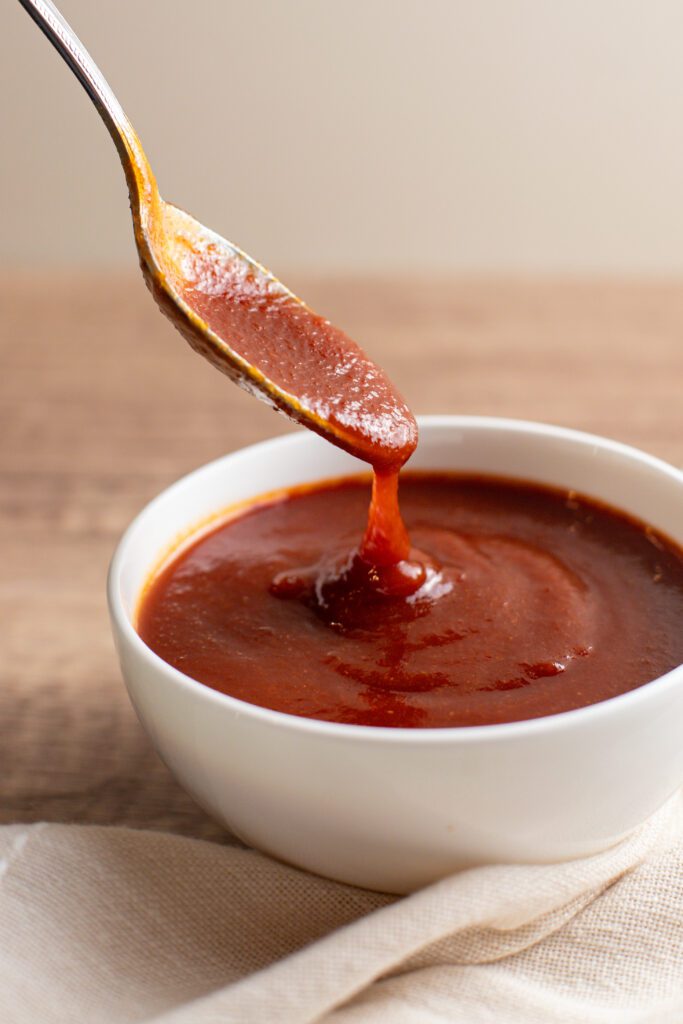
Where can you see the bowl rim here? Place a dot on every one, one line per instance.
(415, 736)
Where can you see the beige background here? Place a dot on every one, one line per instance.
(406, 135)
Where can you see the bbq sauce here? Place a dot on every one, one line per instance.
(338, 390)
(494, 601)
(515, 601)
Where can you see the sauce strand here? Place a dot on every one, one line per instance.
(309, 368)
(386, 540)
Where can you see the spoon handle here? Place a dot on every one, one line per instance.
(141, 183)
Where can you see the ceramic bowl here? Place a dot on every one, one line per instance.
(394, 809)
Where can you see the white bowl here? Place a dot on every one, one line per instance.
(393, 809)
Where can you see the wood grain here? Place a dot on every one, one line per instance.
(102, 405)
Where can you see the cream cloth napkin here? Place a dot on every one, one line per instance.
(111, 926)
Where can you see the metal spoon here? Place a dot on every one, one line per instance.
(233, 311)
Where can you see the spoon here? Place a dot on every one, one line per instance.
(234, 312)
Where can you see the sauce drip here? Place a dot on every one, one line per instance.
(531, 601)
(314, 372)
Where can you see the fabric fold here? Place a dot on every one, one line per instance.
(116, 926)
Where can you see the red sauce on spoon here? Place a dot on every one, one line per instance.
(345, 396)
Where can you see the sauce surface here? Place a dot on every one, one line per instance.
(521, 601)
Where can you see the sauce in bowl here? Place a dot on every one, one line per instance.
(526, 601)
(494, 601)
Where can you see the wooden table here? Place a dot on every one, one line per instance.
(102, 405)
